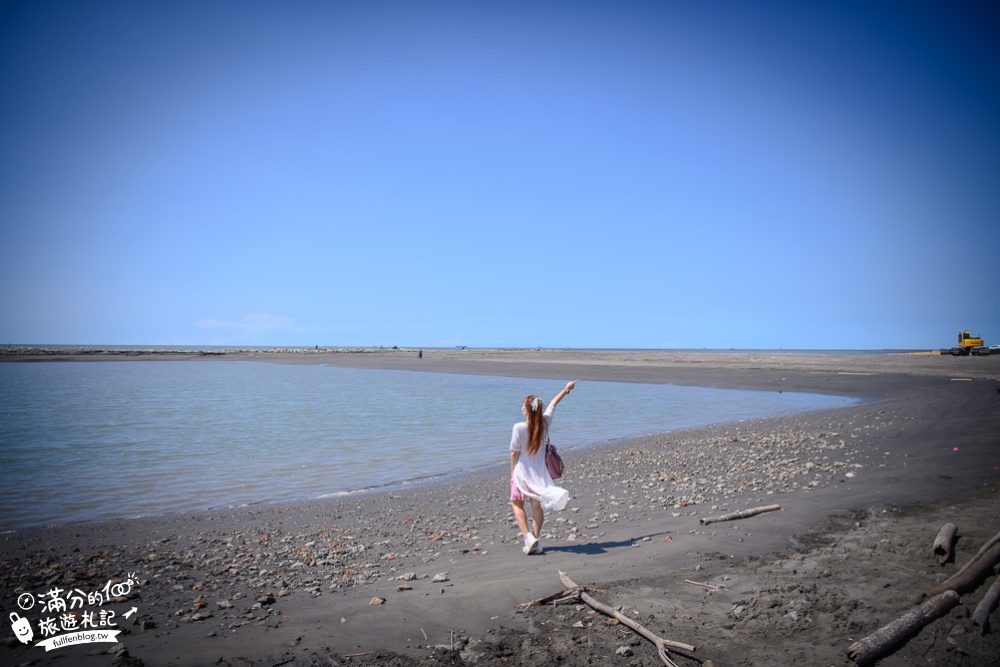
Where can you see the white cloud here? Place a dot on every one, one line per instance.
(254, 324)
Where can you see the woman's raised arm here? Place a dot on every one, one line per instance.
(562, 394)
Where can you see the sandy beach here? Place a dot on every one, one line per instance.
(863, 491)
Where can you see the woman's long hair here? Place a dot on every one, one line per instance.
(535, 409)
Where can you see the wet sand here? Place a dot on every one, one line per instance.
(863, 491)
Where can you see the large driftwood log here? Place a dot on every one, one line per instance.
(971, 574)
(742, 514)
(943, 543)
(983, 549)
(981, 616)
(880, 642)
(575, 592)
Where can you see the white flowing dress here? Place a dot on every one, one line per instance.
(531, 475)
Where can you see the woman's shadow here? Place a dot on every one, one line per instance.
(593, 548)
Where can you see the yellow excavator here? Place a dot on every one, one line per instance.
(967, 344)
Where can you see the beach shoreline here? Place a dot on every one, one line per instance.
(294, 581)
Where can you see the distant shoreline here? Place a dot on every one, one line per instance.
(700, 367)
(182, 350)
(12, 348)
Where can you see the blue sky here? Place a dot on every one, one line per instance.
(556, 174)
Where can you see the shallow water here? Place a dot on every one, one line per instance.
(97, 440)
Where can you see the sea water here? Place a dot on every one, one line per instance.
(82, 441)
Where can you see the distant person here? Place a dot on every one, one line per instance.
(529, 476)
(420, 354)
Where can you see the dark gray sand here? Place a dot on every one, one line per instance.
(863, 491)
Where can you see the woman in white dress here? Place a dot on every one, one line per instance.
(529, 477)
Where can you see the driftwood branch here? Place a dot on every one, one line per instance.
(742, 514)
(981, 616)
(971, 574)
(880, 642)
(943, 543)
(574, 593)
(982, 550)
(986, 547)
(562, 597)
(698, 583)
(661, 644)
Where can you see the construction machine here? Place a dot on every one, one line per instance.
(967, 344)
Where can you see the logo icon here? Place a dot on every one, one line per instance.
(22, 628)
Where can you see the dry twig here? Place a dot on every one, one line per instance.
(576, 593)
(660, 644)
(742, 514)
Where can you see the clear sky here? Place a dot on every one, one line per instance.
(557, 174)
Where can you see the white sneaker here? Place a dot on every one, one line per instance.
(536, 548)
(530, 542)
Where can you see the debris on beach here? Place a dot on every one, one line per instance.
(941, 599)
(944, 542)
(981, 616)
(742, 514)
(575, 592)
(880, 642)
(976, 570)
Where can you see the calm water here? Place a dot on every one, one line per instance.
(96, 440)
